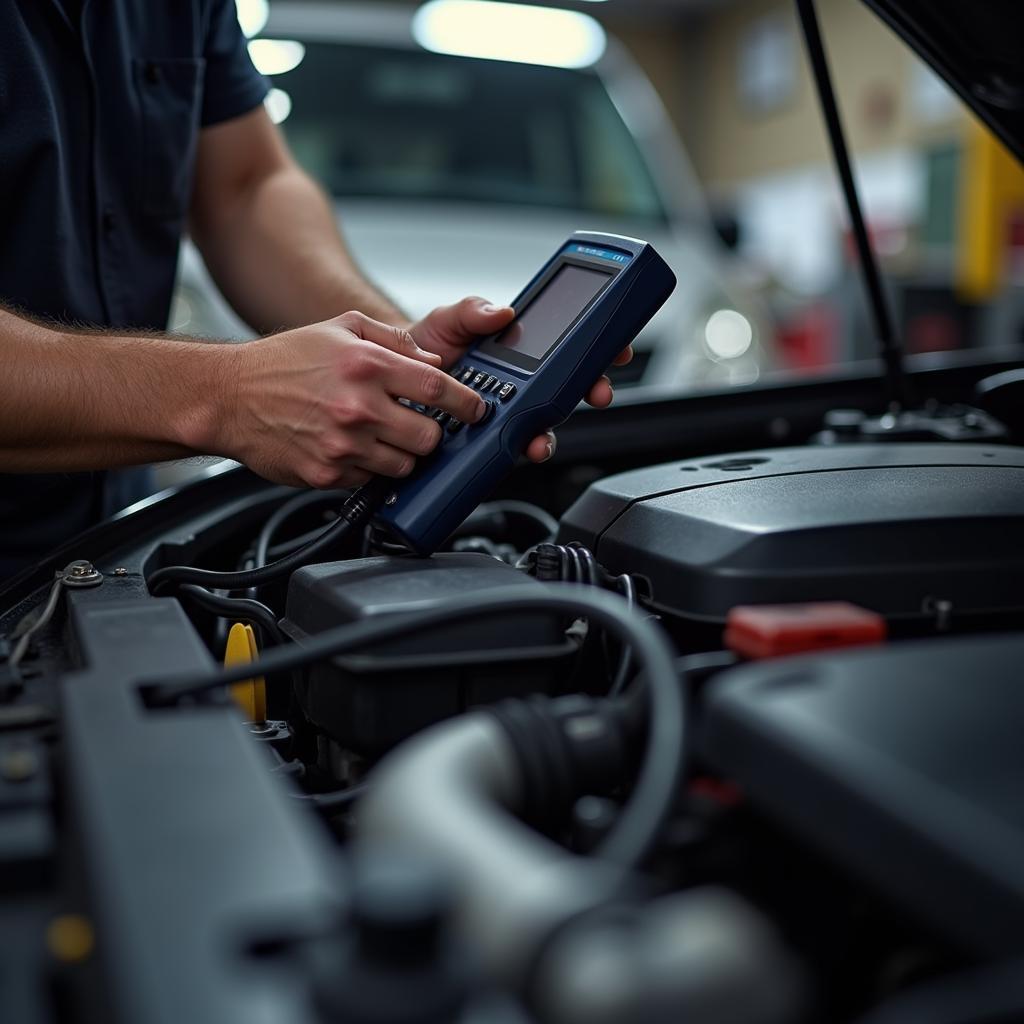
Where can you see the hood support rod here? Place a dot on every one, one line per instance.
(890, 349)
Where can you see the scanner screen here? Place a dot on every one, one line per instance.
(534, 332)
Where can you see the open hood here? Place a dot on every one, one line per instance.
(975, 47)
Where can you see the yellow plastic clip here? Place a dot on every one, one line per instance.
(250, 695)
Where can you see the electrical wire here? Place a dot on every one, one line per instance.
(243, 609)
(628, 587)
(277, 550)
(24, 634)
(644, 814)
(278, 518)
(576, 563)
(356, 510)
(336, 798)
(493, 512)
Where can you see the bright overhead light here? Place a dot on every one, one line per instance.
(512, 32)
(276, 56)
(252, 15)
(278, 104)
(728, 334)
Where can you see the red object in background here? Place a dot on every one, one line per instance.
(933, 332)
(810, 338)
(1015, 244)
(773, 630)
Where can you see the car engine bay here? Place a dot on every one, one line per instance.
(622, 760)
(713, 718)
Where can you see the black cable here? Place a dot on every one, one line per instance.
(336, 798)
(643, 816)
(890, 349)
(243, 609)
(277, 550)
(285, 512)
(355, 511)
(494, 514)
(628, 587)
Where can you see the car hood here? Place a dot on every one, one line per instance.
(975, 48)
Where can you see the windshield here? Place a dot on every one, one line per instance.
(383, 122)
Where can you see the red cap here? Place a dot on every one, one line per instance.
(773, 630)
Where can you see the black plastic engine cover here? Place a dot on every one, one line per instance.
(903, 762)
(371, 700)
(895, 528)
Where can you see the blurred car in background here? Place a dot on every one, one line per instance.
(456, 175)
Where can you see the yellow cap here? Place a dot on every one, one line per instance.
(250, 695)
(70, 938)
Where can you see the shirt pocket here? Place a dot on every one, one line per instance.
(170, 91)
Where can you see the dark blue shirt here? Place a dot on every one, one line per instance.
(101, 104)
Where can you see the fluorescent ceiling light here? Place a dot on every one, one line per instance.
(276, 56)
(278, 104)
(252, 15)
(512, 32)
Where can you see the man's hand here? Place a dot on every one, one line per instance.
(316, 405)
(449, 329)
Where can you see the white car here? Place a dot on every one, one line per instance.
(456, 175)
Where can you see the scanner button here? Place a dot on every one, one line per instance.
(488, 382)
(488, 413)
(506, 391)
(478, 379)
(496, 386)
(440, 416)
(455, 426)
(467, 375)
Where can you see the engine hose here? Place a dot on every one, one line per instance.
(570, 933)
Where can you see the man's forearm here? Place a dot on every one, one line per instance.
(278, 257)
(80, 401)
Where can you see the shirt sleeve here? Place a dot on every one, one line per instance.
(232, 86)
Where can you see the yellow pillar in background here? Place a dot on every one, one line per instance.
(991, 188)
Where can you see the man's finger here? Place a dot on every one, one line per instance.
(384, 460)
(601, 394)
(396, 339)
(461, 323)
(625, 356)
(541, 448)
(432, 387)
(408, 430)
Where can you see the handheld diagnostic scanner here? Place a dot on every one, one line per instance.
(587, 303)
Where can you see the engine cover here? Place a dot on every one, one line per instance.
(897, 528)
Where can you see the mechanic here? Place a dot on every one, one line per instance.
(119, 120)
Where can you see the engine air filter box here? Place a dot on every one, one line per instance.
(372, 699)
(906, 530)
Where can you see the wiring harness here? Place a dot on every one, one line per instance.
(574, 563)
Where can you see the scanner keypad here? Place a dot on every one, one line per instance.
(486, 384)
